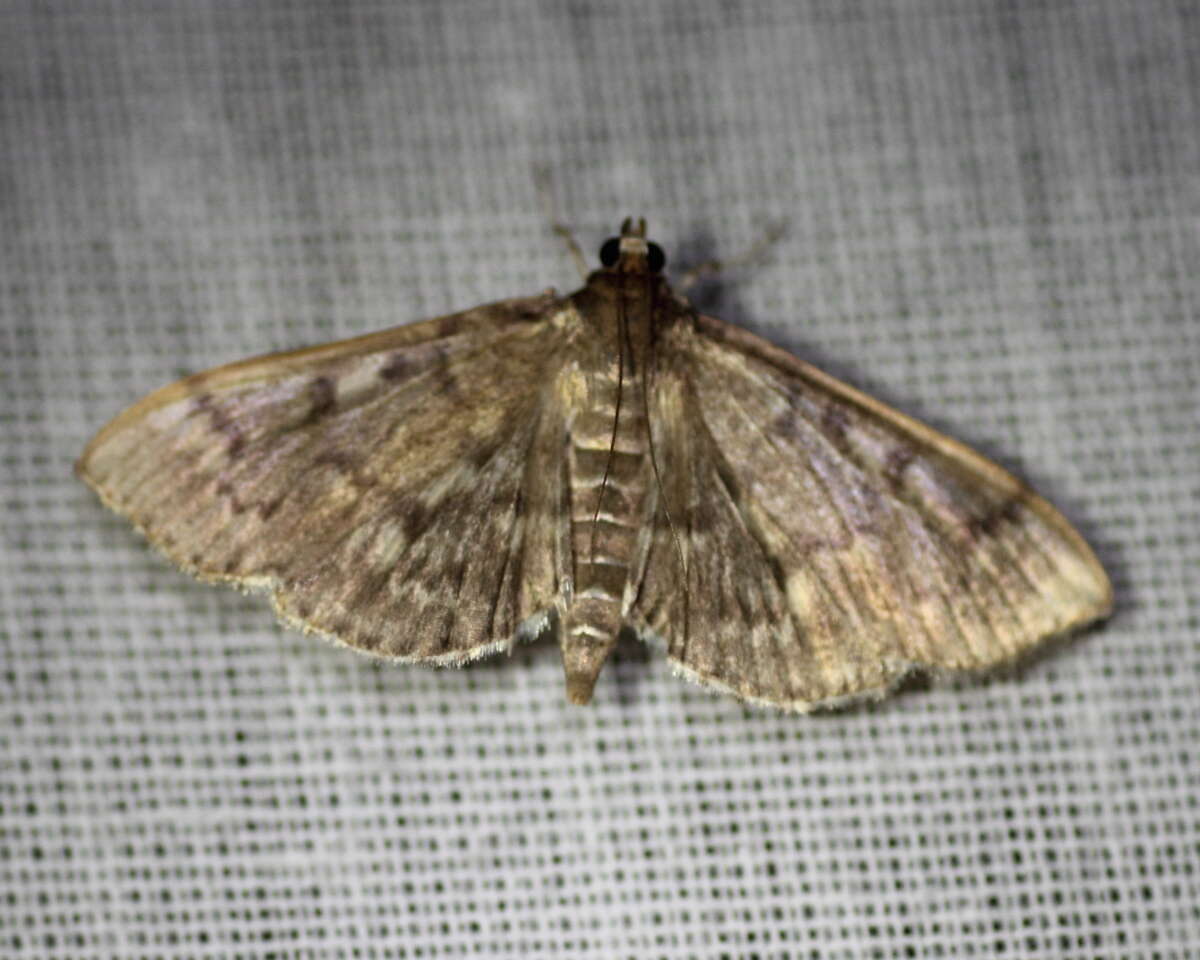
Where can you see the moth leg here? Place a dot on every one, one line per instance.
(541, 180)
(765, 242)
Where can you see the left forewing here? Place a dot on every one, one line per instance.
(833, 543)
(394, 492)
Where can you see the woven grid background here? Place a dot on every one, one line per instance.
(993, 216)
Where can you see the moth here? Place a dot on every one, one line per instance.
(584, 464)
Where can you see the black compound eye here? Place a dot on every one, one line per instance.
(610, 252)
(655, 258)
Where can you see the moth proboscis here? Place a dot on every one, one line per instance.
(604, 460)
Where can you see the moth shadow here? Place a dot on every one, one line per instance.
(715, 294)
(711, 292)
(629, 666)
(923, 680)
(1041, 653)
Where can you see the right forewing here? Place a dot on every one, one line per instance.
(830, 543)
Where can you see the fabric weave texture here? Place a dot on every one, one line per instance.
(992, 222)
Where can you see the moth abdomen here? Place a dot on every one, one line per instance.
(609, 480)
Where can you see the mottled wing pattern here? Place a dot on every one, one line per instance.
(831, 543)
(398, 492)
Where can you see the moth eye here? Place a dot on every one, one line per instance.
(655, 258)
(610, 252)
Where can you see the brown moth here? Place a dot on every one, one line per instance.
(610, 459)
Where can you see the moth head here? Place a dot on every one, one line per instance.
(631, 252)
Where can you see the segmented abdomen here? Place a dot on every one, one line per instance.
(607, 512)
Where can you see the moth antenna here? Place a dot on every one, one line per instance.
(769, 238)
(541, 182)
